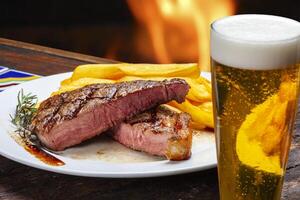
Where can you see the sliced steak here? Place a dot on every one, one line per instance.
(159, 131)
(69, 118)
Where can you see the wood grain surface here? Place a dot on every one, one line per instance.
(18, 181)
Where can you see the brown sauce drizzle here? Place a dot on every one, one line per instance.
(43, 155)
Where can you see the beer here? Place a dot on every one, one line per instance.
(255, 78)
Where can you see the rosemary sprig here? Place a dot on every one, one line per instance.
(25, 111)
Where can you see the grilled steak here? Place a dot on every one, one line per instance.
(159, 131)
(69, 118)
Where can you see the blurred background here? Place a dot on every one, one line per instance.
(156, 31)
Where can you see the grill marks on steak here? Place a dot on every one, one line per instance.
(159, 131)
(69, 118)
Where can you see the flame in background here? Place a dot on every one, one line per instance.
(179, 29)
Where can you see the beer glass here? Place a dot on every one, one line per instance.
(255, 77)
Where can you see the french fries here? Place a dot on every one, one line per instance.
(198, 101)
(205, 82)
(102, 71)
(117, 71)
(197, 126)
(200, 114)
(199, 91)
(162, 70)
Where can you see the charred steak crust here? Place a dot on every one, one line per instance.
(159, 131)
(117, 102)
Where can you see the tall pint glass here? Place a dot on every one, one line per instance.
(255, 77)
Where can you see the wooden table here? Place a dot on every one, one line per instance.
(18, 181)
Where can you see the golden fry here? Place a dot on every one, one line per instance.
(206, 106)
(196, 126)
(66, 81)
(204, 82)
(199, 91)
(118, 70)
(103, 71)
(161, 70)
(199, 114)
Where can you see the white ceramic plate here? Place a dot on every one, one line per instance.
(100, 157)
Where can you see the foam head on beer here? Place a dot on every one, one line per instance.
(255, 41)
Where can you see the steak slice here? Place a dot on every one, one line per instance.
(160, 132)
(72, 117)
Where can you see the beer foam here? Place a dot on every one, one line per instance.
(256, 41)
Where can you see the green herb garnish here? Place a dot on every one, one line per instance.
(25, 111)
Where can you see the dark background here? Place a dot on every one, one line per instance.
(93, 26)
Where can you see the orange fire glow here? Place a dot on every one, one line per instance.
(179, 29)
